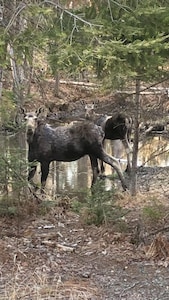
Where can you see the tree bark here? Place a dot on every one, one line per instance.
(133, 178)
(1, 84)
(56, 87)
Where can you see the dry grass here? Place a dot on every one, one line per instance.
(159, 248)
(38, 285)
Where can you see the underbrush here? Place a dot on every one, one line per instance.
(99, 207)
(154, 213)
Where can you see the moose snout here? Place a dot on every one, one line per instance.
(30, 130)
(87, 116)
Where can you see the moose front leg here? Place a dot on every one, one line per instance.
(44, 173)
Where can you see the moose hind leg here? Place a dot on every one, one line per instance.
(95, 169)
(128, 150)
(110, 160)
(102, 168)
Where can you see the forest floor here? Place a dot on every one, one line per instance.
(53, 254)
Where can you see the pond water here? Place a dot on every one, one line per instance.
(76, 176)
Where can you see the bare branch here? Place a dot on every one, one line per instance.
(74, 28)
(125, 7)
(16, 13)
(153, 155)
(163, 229)
(111, 15)
(71, 14)
(150, 86)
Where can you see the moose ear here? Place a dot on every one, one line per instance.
(41, 113)
(39, 110)
(82, 102)
(96, 103)
(22, 110)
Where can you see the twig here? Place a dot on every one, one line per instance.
(147, 88)
(125, 7)
(153, 155)
(156, 231)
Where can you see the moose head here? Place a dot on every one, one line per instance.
(32, 119)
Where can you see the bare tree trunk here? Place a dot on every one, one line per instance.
(1, 84)
(1, 87)
(17, 88)
(29, 76)
(14, 23)
(56, 87)
(133, 178)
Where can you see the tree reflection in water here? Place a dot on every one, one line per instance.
(76, 176)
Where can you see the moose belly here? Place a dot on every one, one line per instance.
(68, 153)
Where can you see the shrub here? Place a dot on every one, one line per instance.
(153, 213)
(99, 206)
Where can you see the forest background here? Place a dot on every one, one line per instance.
(116, 44)
(106, 48)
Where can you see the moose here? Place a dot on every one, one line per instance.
(115, 127)
(65, 143)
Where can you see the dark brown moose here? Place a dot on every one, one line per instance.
(115, 127)
(65, 143)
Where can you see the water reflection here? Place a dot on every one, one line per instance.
(154, 152)
(76, 176)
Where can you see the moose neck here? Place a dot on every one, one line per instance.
(30, 135)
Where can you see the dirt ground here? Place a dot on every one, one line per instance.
(55, 255)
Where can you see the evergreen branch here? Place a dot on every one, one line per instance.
(12, 169)
(21, 179)
(20, 9)
(71, 14)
